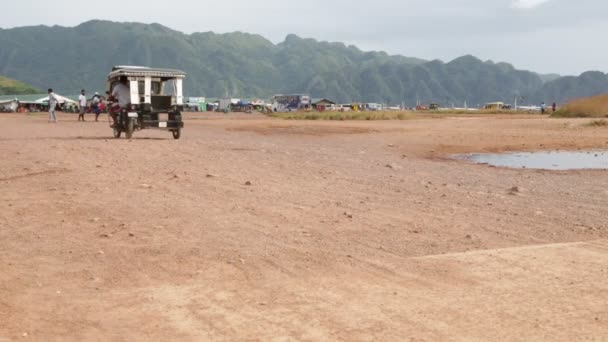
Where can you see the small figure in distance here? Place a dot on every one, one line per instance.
(554, 107)
(112, 107)
(96, 102)
(53, 102)
(102, 107)
(543, 108)
(82, 102)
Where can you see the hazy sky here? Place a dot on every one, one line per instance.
(561, 36)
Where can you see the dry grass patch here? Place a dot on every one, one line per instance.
(342, 116)
(481, 112)
(591, 107)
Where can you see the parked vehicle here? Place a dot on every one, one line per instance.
(153, 92)
(225, 105)
(291, 103)
(494, 105)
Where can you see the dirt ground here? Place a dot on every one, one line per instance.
(251, 228)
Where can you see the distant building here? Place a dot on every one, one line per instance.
(225, 104)
(197, 104)
(323, 104)
(291, 103)
(373, 106)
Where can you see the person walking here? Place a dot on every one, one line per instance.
(102, 107)
(82, 102)
(53, 102)
(554, 107)
(543, 108)
(96, 101)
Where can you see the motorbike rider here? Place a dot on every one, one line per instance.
(121, 94)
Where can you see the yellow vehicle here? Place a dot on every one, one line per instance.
(495, 105)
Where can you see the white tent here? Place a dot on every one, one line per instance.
(62, 99)
(10, 105)
(8, 101)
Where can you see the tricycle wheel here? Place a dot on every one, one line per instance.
(117, 133)
(177, 133)
(130, 128)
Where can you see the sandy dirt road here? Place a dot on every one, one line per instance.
(250, 228)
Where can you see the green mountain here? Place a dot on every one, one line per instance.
(246, 65)
(549, 77)
(568, 88)
(12, 87)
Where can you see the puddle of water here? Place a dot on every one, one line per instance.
(557, 160)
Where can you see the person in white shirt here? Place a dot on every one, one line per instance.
(82, 102)
(53, 102)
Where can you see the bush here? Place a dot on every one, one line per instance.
(591, 107)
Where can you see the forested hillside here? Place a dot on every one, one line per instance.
(245, 65)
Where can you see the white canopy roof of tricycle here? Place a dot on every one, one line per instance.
(138, 71)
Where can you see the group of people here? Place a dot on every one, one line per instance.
(543, 107)
(97, 105)
(120, 98)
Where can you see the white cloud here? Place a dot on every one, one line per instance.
(527, 4)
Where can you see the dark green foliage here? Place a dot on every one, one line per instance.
(245, 65)
(11, 87)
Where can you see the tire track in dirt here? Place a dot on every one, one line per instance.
(35, 174)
